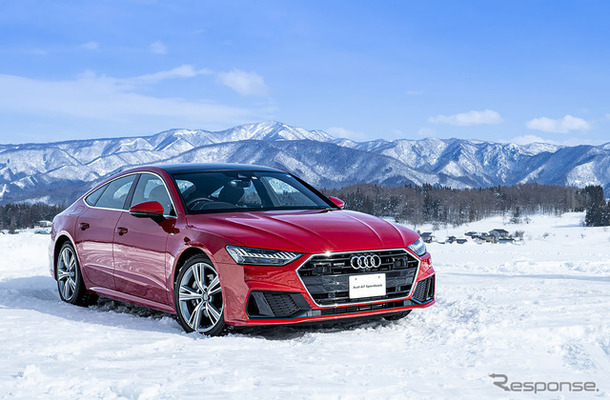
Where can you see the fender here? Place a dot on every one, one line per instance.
(53, 261)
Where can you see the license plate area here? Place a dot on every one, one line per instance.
(369, 285)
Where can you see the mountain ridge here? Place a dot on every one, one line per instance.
(58, 172)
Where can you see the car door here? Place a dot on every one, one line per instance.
(140, 259)
(95, 228)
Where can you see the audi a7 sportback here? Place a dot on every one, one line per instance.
(235, 245)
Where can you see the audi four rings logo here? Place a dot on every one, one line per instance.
(365, 261)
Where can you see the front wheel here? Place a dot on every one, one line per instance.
(198, 297)
(69, 279)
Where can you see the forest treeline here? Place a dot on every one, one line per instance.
(416, 204)
(597, 208)
(444, 205)
(19, 216)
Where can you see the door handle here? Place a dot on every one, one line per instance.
(84, 226)
(122, 231)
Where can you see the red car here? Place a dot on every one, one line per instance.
(235, 245)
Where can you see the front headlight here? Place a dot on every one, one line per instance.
(418, 247)
(252, 256)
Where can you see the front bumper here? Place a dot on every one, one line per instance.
(278, 295)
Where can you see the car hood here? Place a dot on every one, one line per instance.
(308, 231)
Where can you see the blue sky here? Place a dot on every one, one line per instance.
(517, 71)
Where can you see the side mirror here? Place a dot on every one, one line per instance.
(148, 209)
(338, 202)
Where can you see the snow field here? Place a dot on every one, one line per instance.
(538, 311)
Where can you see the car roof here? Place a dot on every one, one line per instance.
(202, 167)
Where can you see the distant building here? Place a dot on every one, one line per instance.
(45, 224)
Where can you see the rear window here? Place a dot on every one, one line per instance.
(95, 195)
(116, 193)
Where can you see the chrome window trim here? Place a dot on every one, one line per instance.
(408, 251)
(83, 197)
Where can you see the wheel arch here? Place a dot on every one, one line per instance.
(185, 255)
(62, 239)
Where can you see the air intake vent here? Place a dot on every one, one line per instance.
(268, 304)
(424, 291)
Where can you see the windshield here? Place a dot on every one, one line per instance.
(219, 191)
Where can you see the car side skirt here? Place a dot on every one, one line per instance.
(127, 298)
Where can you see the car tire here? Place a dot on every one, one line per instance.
(397, 316)
(198, 297)
(69, 278)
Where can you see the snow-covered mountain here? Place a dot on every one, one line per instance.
(59, 172)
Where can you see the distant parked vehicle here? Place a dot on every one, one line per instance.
(221, 245)
(427, 237)
(499, 233)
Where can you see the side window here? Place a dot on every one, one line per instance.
(116, 193)
(151, 188)
(95, 195)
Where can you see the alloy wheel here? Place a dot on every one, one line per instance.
(66, 274)
(200, 297)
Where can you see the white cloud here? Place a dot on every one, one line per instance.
(90, 46)
(111, 99)
(345, 133)
(183, 71)
(158, 47)
(560, 125)
(244, 83)
(485, 117)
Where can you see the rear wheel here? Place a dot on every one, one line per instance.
(69, 279)
(198, 297)
(397, 316)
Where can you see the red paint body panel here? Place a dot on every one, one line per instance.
(307, 231)
(140, 259)
(94, 245)
(135, 259)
